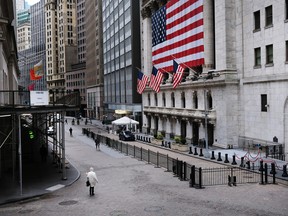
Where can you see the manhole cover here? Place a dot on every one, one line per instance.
(69, 202)
(119, 213)
(153, 209)
(26, 211)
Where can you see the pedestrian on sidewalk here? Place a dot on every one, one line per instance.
(97, 143)
(70, 130)
(92, 178)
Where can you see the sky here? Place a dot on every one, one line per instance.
(32, 2)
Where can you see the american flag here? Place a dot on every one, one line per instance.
(178, 73)
(141, 82)
(156, 79)
(177, 32)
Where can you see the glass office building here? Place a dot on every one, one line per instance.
(121, 53)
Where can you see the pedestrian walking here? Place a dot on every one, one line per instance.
(71, 130)
(92, 179)
(97, 143)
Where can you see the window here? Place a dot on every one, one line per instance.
(156, 100)
(257, 56)
(172, 100)
(268, 16)
(286, 51)
(264, 104)
(183, 102)
(195, 100)
(286, 9)
(149, 102)
(257, 20)
(164, 100)
(269, 54)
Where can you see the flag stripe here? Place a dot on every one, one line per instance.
(141, 82)
(182, 37)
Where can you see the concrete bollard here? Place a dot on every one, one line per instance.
(273, 169)
(226, 159)
(201, 152)
(284, 171)
(195, 151)
(242, 162)
(213, 157)
(219, 156)
(234, 160)
(248, 165)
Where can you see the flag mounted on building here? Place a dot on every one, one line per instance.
(178, 72)
(37, 72)
(156, 79)
(31, 87)
(142, 81)
(177, 30)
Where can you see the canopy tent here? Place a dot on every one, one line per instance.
(126, 121)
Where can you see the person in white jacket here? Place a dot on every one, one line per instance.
(92, 178)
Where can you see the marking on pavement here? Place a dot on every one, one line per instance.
(55, 187)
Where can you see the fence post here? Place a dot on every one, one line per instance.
(185, 172)
(200, 177)
(167, 158)
(192, 176)
(127, 146)
(261, 169)
(148, 156)
(248, 164)
(284, 171)
(273, 171)
(266, 173)
(157, 166)
(180, 169)
(134, 151)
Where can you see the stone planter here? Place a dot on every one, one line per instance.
(179, 147)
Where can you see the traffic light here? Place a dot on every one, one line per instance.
(31, 134)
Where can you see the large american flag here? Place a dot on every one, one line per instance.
(177, 33)
(142, 81)
(155, 79)
(178, 72)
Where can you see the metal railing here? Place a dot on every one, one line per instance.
(197, 177)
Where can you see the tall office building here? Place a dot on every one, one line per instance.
(121, 48)
(94, 59)
(61, 43)
(23, 30)
(36, 53)
(81, 37)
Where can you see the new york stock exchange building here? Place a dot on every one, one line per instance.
(234, 89)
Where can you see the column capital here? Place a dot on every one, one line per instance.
(146, 12)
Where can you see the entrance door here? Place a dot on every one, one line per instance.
(210, 131)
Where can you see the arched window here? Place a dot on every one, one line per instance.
(195, 100)
(149, 101)
(183, 100)
(209, 100)
(156, 100)
(163, 100)
(172, 100)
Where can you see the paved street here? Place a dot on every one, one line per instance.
(131, 187)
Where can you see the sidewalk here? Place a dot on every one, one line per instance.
(41, 178)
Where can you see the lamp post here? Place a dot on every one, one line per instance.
(206, 154)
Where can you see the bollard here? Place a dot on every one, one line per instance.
(195, 151)
(201, 153)
(162, 143)
(234, 160)
(213, 157)
(192, 176)
(273, 170)
(149, 139)
(229, 181)
(284, 171)
(219, 156)
(226, 159)
(169, 145)
(190, 150)
(234, 180)
(248, 164)
(261, 166)
(185, 172)
(242, 162)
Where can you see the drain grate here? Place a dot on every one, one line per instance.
(25, 211)
(68, 202)
(119, 213)
(153, 209)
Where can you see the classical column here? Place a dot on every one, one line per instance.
(177, 127)
(168, 128)
(189, 131)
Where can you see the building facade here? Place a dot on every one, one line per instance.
(121, 48)
(61, 41)
(246, 101)
(94, 60)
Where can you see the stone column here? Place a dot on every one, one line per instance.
(168, 128)
(189, 131)
(177, 127)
